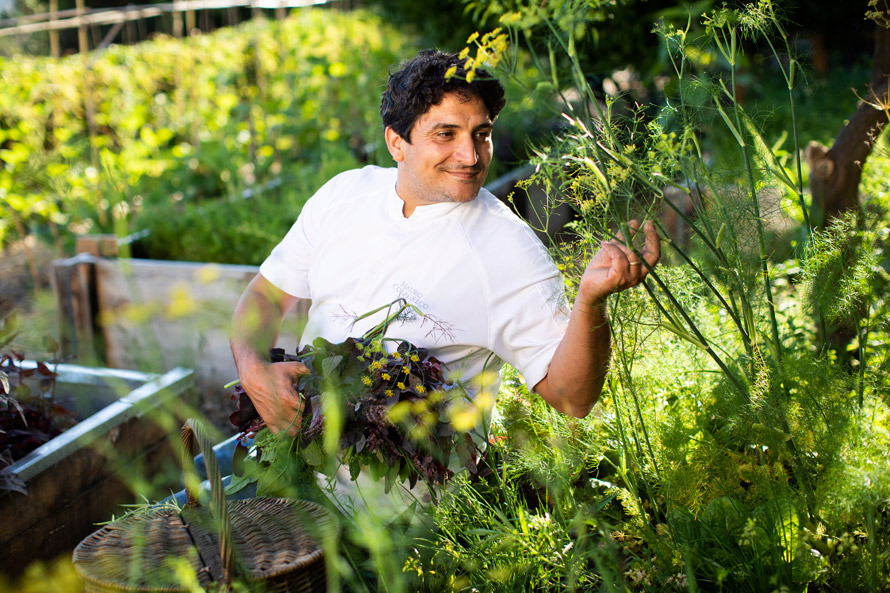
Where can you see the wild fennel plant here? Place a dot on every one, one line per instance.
(732, 429)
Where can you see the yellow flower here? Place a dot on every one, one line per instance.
(375, 365)
(367, 380)
(397, 355)
(415, 358)
(421, 389)
(405, 370)
(388, 393)
(400, 385)
(386, 377)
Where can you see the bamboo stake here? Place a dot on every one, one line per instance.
(81, 28)
(55, 49)
(189, 21)
(177, 20)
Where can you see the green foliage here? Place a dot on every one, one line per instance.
(182, 126)
(387, 414)
(602, 35)
(539, 522)
(840, 269)
(731, 451)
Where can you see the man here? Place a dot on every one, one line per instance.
(429, 233)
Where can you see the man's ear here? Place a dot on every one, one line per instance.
(394, 144)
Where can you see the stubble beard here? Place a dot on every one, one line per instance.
(446, 196)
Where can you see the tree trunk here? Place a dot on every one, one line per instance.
(835, 173)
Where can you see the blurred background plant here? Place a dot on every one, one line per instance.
(215, 134)
(187, 133)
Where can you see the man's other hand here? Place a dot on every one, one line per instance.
(271, 388)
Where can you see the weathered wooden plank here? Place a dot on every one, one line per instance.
(157, 315)
(66, 503)
(72, 282)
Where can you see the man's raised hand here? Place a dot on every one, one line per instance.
(615, 267)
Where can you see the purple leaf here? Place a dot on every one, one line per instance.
(10, 481)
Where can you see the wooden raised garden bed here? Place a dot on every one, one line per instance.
(77, 478)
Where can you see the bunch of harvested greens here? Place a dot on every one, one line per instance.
(369, 408)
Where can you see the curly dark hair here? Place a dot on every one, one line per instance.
(420, 84)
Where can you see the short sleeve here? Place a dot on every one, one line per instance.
(288, 266)
(529, 311)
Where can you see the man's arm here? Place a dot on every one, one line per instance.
(255, 326)
(576, 374)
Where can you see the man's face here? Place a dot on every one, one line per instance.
(448, 156)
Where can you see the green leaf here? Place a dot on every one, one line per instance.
(729, 123)
(313, 454)
(720, 235)
(771, 432)
(599, 174)
(390, 478)
(239, 483)
(329, 365)
(672, 326)
(768, 153)
(355, 467)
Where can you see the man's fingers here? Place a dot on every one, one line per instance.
(292, 368)
(618, 249)
(290, 412)
(623, 259)
(652, 246)
(632, 227)
(614, 250)
(651, 250)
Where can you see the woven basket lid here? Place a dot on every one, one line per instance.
(133, 554)
(274, 539)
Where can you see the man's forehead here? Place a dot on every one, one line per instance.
(456, 110)
(446, 125)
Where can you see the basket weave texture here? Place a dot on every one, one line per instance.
(271, 543)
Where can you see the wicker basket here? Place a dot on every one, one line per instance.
(270, 543)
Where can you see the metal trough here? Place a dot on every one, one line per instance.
(76, 480)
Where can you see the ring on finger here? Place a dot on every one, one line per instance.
(634, 263)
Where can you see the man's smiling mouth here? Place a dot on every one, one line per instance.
(463, 173)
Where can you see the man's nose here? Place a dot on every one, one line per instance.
(465, 152)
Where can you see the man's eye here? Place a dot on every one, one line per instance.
(483, 135)
(444, 135)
